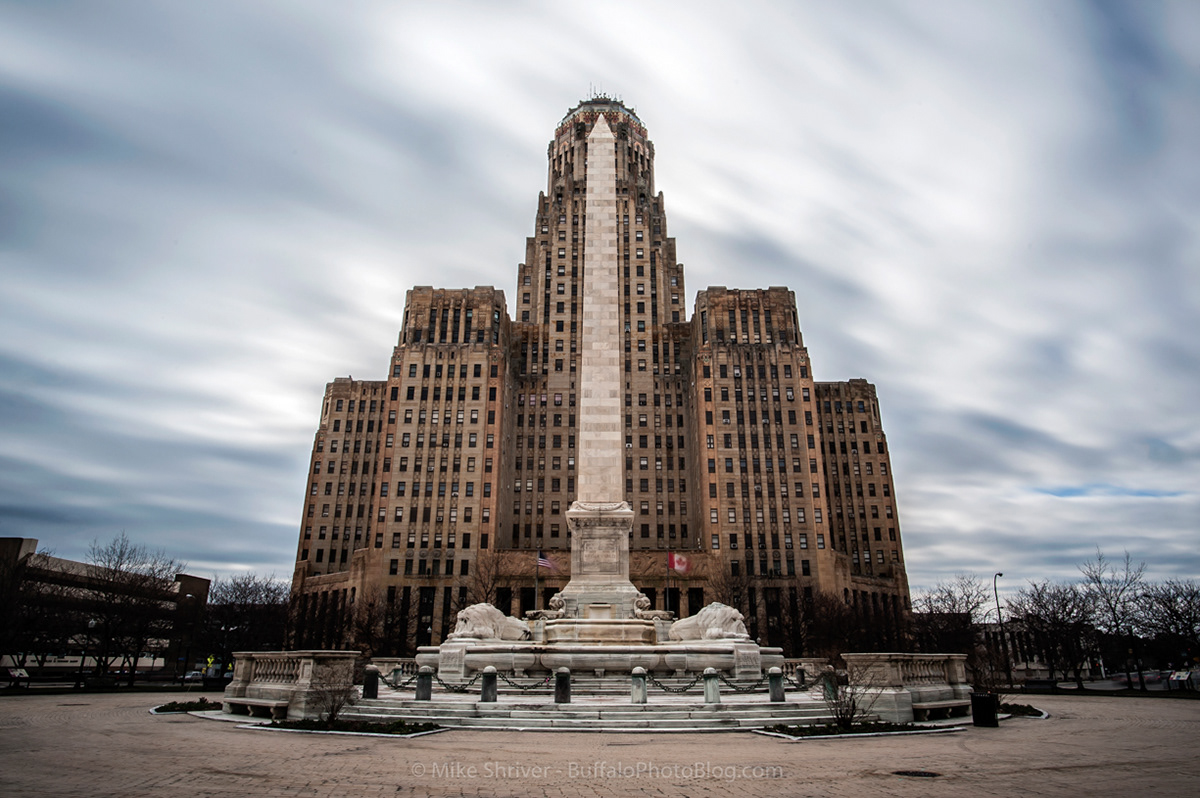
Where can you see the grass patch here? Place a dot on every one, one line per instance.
(202, 705)
(359, 726)
(832, 730)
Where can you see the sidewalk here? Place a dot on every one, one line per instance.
(103, 744)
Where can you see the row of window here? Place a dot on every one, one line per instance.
(362, 405)
(406, 440)
(733, 542)
(731, 513)
(755, 464)
(427, 567)
(411, 394)
(442, 486)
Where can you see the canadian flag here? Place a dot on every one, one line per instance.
(678, 562)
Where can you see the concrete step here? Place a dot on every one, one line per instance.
(776, 716)
(606, 724)
(662, 709)
(535, 714)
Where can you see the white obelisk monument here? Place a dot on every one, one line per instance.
(600, 519)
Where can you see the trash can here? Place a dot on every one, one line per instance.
(985, 709)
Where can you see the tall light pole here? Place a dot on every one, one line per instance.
(1000, 620)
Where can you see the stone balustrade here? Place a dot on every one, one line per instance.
(274, 668)
(804, 669)
(911, 686)
(389, 665)
(272, 682)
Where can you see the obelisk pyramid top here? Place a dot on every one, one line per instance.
(601, 131)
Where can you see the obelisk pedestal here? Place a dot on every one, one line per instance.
(599, 586)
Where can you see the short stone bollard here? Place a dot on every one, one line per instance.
(487, 685)
(829, 685)
(712, 688)
(371, 682)
(424, 683)
(562, 686)
(637, 692)
(775, 684)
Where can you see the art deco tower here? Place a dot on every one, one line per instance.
(438, 486)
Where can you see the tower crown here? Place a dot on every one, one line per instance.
(583, 116)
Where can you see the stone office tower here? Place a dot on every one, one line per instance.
(436, 487)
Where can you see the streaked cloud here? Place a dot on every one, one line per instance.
(989, 211)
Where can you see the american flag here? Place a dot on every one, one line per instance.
(544, 561)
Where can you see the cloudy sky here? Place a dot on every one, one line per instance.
(208, 210)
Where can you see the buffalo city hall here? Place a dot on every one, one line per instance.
(446, 483)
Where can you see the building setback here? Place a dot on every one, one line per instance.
(438, 486)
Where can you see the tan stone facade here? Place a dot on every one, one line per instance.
(438, 486)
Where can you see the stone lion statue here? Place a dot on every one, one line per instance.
(485, 622)
(715, 622)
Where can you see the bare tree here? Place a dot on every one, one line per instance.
(1114, 591)
(491, 570)
(1060, 619)
(132, 592)
(36, 618)
(850, 695)
(246, 612)
(727, 587)
(949, 618)
(367, 623)
(331, 694)
(831, 627)
(1170, 611)
(793, 624)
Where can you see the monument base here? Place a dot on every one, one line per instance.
(600, 631)
(458, 661)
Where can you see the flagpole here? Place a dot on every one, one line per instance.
(668, 596)
(537, 569)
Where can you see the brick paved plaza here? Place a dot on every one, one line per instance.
(97, 745)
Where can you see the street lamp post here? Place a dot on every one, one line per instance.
(1003, 638)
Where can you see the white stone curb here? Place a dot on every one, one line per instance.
(791, 739)
(259, 727)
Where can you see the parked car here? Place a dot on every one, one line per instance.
(193, 676)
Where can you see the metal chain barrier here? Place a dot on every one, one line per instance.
(750, 688)
(458, 688)
(398, 685)
(543, 683)
(798, 685)
(650, 678)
